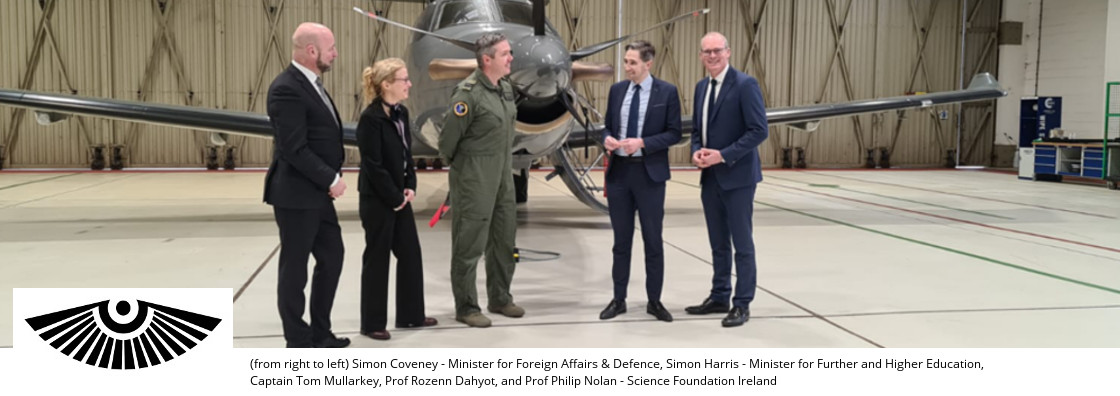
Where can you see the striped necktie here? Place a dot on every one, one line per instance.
(326, 99)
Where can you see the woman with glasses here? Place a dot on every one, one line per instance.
(387, 186)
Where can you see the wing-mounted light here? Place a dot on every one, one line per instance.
(588, 71)
(807, 126)
(440, 69)
(50, 117)
(217, 139)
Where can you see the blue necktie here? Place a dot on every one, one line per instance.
(635, 106)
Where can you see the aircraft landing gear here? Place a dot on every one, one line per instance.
(231, 160)
(521, 186)
(116, 161)
(951, 158)
(212, 158)
(98, 161)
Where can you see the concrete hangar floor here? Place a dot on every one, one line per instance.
(936, 258)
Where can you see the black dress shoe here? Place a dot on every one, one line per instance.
(737, 317)
(333, 342)
(613, 309)
(707, 307)
(428, 322)
(658, 311)
(377, 335)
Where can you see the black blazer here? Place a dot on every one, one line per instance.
(662, 127)
(387, 168)
(307, 148)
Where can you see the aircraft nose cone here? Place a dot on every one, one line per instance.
(542, 67)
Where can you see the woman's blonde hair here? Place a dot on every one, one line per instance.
(373, 76)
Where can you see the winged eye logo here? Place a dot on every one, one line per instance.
(93, 335)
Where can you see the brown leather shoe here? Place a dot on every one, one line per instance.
(429, 322)
(378, 335)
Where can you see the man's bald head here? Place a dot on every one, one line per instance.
(313, 47)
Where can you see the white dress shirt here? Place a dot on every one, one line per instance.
(704, 121)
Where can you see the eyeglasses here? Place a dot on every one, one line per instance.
(712, 52)
(393, 80)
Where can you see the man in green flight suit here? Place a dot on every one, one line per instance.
(477, 140)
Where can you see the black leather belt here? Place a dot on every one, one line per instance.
(628, 160)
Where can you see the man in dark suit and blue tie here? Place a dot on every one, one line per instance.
(302, 182)
(643, 119)
(729, 123)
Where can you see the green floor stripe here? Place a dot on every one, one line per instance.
(36, 181)
(896, 198)
(939, 247)
(947, 249)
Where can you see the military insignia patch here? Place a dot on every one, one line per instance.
(460, 108)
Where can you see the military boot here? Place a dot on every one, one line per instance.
(474, 319)
(510, 310)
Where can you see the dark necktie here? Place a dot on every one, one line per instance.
(635, 106)
(708, 112)
(711, 99)
(323, 96)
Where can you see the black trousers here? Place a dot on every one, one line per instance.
(390, 232)
(306, 232)
(629, 190)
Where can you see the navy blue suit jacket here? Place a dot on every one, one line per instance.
(739, 126)
(661, 129)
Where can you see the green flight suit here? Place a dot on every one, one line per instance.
(477, 140)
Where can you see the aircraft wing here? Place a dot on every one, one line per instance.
(982, 87)
(51, 108)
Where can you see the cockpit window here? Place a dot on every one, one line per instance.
(519, 13)
(467, 11)
(486, 11)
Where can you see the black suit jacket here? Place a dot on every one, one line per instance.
(387, 168)
(307, 144)
(661, 129)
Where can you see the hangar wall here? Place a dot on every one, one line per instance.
(1071, 62)
(223, 54)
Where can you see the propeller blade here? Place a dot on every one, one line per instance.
(461, 43)
(451, 69)
(587, 71)
(572, 108)
(538, 17)
(593, 49)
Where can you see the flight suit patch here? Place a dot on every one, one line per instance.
(460, 108)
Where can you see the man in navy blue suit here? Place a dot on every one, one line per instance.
(729, 123)
(643, 119)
